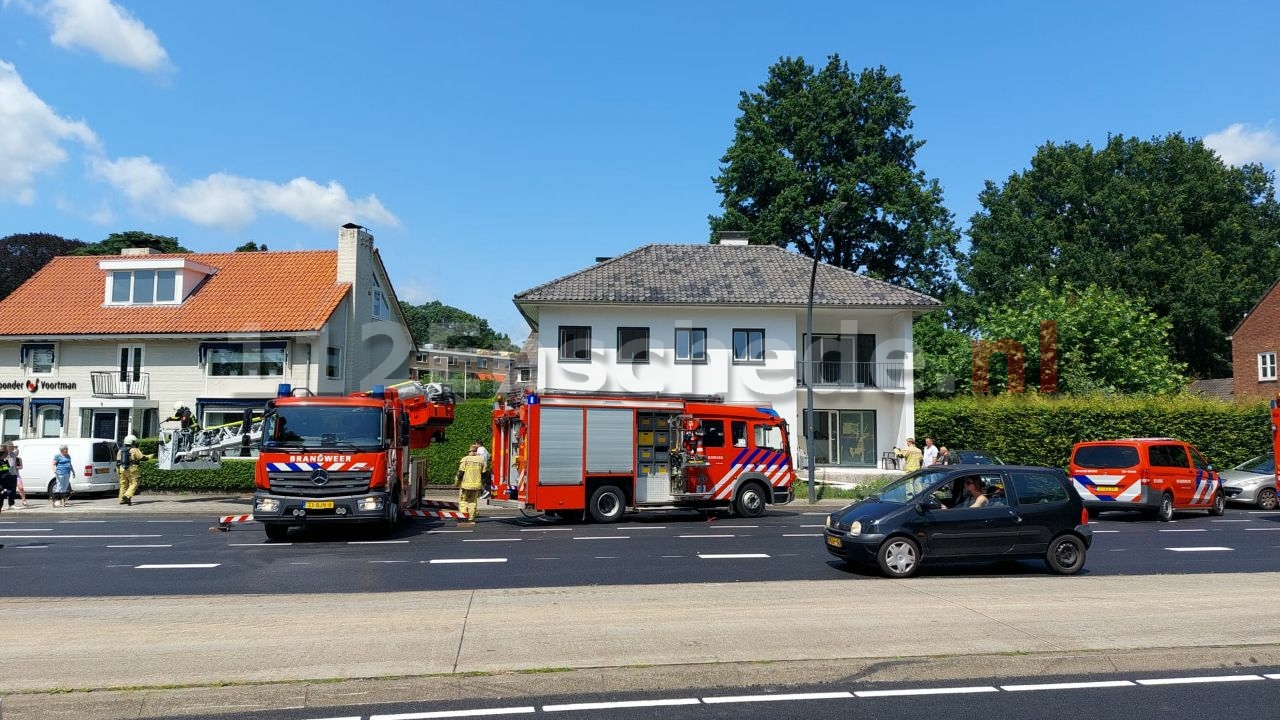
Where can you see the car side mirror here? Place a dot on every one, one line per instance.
(929, 504)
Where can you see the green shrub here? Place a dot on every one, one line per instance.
(235, 475)
(472, 422)
(1039, 430)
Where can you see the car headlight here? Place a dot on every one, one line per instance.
(829, 523)
(855, 528)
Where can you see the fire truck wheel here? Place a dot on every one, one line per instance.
(393, 512)
(276, 532)
(899, 557)
(750, 502)
(1219, 505)
(607, 504)
(1165, 511)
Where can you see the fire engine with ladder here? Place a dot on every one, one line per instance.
(572, 454)
(346, 459)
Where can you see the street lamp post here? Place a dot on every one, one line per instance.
(805, 352)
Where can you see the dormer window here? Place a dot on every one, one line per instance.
(144, 287)
(148, 281)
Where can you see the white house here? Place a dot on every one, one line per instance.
(730, 319)
(101, 346)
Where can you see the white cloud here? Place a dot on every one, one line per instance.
(106, 29)
(231, 201)
(32, 137)
(1240, 144)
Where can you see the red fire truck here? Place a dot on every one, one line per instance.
(326, 459)
(566, 453)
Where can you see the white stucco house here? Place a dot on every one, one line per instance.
(730, 319)
(103, 346)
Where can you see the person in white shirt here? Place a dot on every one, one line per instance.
(930, 452)
(486, 475)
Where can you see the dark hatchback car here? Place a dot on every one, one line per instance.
(927, 516)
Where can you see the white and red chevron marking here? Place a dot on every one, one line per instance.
(234, 519)
(439, 504)
(443, 514)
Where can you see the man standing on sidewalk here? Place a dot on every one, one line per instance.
(469, 482)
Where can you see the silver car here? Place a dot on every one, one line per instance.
(1252, 482)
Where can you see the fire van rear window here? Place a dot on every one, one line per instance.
(1106, 456)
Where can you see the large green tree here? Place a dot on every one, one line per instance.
(810, 140)
(115, 242)
(1163, 218)
(446, 326)
(1107, 341)
(23, 254)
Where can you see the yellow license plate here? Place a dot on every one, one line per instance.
(1107, 488)
(835, 541)
(319, 505)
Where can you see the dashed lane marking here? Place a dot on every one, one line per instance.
(777, 698)
(664, 702)
(171, 521)
(29, 547)
(537, 530)
(801, 534)
(1068, 685)
(926, 691)
(76, 537)
(1186, 530)
(1095, 532)
(378, 542)
(1209, 548)
(1197, 680)
(482, 712)
(705, 536)
(387, 562)
(178, 566)
(260, 544)
(442, 532)
(646, 527)
(139, 546)
(463, 561)
(1261, 529)
(604, 537)
(493, 540)
(1231, 521)
(605, 557)
(739, 556)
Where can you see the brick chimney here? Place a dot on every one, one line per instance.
(355, 244)
(139, 251)
(737, 238)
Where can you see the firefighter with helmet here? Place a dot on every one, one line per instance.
(182, 414)
(128, 461)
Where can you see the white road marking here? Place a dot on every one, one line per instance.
(460, 561)
(74, 537)
(705, 536)
(387, 562)
(183, 566)
(1261, 529)
(604, 537)
(805, 526)
(1230, 521)
(547, 558)
(1069, 685)
(1196, 680)
(815, 513)
(299, 563)
(259, 544)
(1187, 530)
(37, 530)
(81, 521)
(672, 556)
(441, 532)
(1263, 512)
(1095, 532)
(647, 527)
(482, 712)
(665, 702)
(1272, 676)
(926, 691)
(352, 717)
(523, 530)
(732, 557)
(801, 534)
(1209, 548)
(378, 542)
(138, 546)
(735, 527)
(171, 521)
(605, 557)
(776, 698)
(493, 540)
(29, 547)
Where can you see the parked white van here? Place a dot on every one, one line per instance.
(93, 459)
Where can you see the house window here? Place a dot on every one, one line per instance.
(381, 311)
(482, 363)
(633, 344)
(144, 287)
(522, 375)
(748, 346)
(40, 358)
(691, 345)
(245, 360)
(1266, 366)
(575, 343)
(333, 363)
(130, 363)
(11, 423)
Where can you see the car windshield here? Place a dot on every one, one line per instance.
(308, 426)
(1262, 465)
(905, 489)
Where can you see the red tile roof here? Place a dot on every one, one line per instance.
(251, 292)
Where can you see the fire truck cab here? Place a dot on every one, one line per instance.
(571, 454)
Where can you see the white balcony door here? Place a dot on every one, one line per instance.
(130, 364)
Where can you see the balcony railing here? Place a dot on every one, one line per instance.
(852, 375)
(110, 384)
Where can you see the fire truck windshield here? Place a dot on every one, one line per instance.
(312, 426)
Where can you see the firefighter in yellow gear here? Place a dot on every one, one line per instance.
(130, 473)
(470, 482)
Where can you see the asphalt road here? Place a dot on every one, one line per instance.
(179, 555)
(1163, 696)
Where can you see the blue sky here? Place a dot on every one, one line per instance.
(493, 146)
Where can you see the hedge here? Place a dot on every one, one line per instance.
(1039, 430)
(235, 475)
(472, 422)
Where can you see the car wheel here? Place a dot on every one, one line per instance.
(607, 504)
(1219, 505)
(1066, 555)
(899, 557)
(1267, 499)
(1165, 512)
(276, 533)
(750, 501)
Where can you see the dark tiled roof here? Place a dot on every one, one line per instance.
(720, 275)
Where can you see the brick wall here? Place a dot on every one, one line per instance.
(1260, 332)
